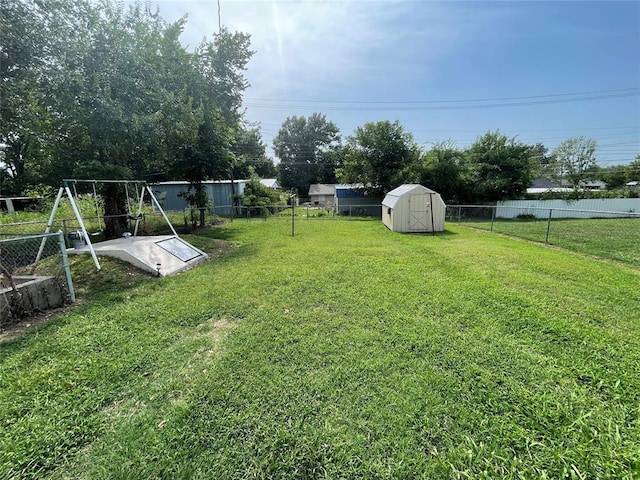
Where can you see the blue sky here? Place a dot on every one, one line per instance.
(425, 63)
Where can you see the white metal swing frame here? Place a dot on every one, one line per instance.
(65, 189)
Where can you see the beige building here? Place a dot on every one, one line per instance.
(413, 208)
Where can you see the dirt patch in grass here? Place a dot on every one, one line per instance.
(22, 327)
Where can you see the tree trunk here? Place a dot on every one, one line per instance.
(115, 212)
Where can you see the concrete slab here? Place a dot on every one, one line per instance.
(163, 255)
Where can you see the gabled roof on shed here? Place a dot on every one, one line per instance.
(391, 199)
(322, 189)
(270, 182)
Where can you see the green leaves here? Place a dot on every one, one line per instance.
(575, 156)
(116, 88)
(305, 147)
(500, 167)
(380, 155)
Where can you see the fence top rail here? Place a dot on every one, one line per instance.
(22, 236)
(471, 206)
(33, 222)
(548, 208)
(44, 221)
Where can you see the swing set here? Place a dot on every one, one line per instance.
(69, 187)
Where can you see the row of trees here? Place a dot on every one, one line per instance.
(99, 90)
(382, 155)
(96, 89)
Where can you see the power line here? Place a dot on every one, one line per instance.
(415, 107)
(413, 102)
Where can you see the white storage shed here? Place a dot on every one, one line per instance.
(413, 208)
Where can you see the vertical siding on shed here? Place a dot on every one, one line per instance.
(387, 217)
(171, 195)
(439, 211)
(168, 198)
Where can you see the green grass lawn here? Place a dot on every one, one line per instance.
(348, 351)
(612, 238)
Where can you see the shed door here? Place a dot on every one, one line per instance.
(419, 212)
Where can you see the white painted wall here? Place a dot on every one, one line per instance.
(587, 208)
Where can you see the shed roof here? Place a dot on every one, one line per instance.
(353, 190)
(270, 182)
(322, 189)
(267, 182)
(394, 195)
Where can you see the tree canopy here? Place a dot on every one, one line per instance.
(306, 148)
(117, 89)
(380, 155)
(118, 96)
(575, 156)
(500, 167)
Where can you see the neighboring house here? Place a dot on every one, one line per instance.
(271, 183)
(171, 195)
(593, 185)
(545, 183)
(321, 193)
(634, 185)
(351, 199)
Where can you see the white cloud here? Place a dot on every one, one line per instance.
(333, 50)
(304, 48)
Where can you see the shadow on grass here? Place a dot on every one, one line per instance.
(444, 233)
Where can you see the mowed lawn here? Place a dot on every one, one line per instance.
(611, 238)
(348, 351)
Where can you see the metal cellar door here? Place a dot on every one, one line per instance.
(419, 213)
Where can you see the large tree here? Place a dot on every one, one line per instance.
(116, 96)
(633, 170)
(500, 167)
(444, 169)
(251, 156)
(380, 155)
(576, 156)
(26, 38)
(305, 147)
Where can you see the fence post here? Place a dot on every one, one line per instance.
(459, 213)
(65, 266)
(546, 238)
(293, 215)
(493, 216)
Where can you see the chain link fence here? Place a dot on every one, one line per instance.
(35, 275)
(611, 235)
(283, 212)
